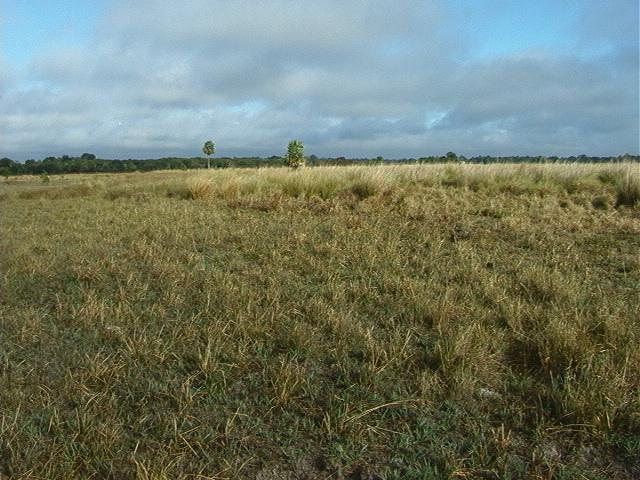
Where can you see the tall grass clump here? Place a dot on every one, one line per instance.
(200, 189)
(330, 182)
(628, 188)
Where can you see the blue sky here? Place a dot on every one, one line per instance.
(32, 27)
(398, 78)
(501, 27)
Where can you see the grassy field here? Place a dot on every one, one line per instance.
(396, 322)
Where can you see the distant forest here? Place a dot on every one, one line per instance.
(88, 163)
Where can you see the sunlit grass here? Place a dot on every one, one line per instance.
(423, 321)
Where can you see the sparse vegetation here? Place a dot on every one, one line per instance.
(414, 322)
(88, 163)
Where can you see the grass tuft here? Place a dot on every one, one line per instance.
(628, 188)
(200, 189)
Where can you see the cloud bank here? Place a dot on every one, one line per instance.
(391, 78)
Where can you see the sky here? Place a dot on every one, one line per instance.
(355, 78)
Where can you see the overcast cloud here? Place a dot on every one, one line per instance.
(354, 78)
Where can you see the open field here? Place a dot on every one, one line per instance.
(397, 322)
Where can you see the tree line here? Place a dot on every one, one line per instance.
(89, 163)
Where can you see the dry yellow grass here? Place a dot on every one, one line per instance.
(393, 322)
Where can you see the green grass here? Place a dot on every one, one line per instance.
(388, 322)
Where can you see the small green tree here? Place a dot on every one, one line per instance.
(295, 154)
(209, 148)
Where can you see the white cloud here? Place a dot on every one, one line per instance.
(350, 78)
